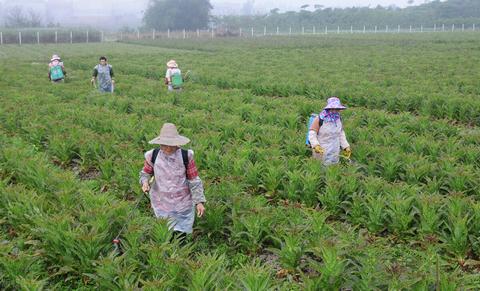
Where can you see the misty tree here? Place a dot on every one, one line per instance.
(247, 8)
(177, 14)
(16, 17)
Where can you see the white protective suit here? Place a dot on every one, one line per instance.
(331, 137)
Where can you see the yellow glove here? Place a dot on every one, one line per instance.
(318, 149)
(347, 152)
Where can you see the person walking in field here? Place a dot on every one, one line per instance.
(56, 70)
(177, 190)
(103, 76)
(173, 77)
(326, 134)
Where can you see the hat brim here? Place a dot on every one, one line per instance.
(338, 107)
(170, 141)
(55, 60)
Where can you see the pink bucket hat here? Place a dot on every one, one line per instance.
(334, 103)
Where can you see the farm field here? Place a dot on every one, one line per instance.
(405, 215)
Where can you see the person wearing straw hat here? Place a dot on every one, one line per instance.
(173, 76)
(56, 70)
(326, 134)
(177, 190)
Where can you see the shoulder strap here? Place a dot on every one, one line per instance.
(154, 155)
(320, 121)
(184, 156)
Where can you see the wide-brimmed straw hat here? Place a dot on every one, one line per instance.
(172, 64)
(334, 103)
(55, 57)
(169, 136)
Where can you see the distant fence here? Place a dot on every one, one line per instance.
(76, 36)
(290, 31)
(50, 36)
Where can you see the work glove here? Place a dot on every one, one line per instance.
(347, 152)
(318, 149)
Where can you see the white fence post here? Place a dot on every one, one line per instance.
(386, 28)
(38, 37)
(410, 28)
(364, 29)
(240, 32)
(252, 31)
(20, 38)
(153, 34)
(265, 30)
(278, 31)
(351, 29)
(375, 29)
(443, 27)
(71, 37)
(56, 36)
(314, 32)
(338, 29)
(213, 33)
(184, 34)
(87, 36)
(138, 34)
(421, 28)
(463, 27)
(101, 36)
(453, 27)
(168, 33)
(398, 29)
(473, 27)
(434, 28)
(326, 29)
(1, 37)
(198, 32)
(303, 30)
(290, 31)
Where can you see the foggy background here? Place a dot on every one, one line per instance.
(115, 14)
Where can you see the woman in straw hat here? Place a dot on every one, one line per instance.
(56, 70)
(177, 190)
(173, 76)
(326, 134)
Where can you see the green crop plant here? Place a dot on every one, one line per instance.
(400, 212)
(375, 214)
(207, 272)
(294, 187)
(430, 211)
(456, 236)
(291, 251)
(272, 179)
(355, 209)
(254, 277)
(214, 225)
(332, 269)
